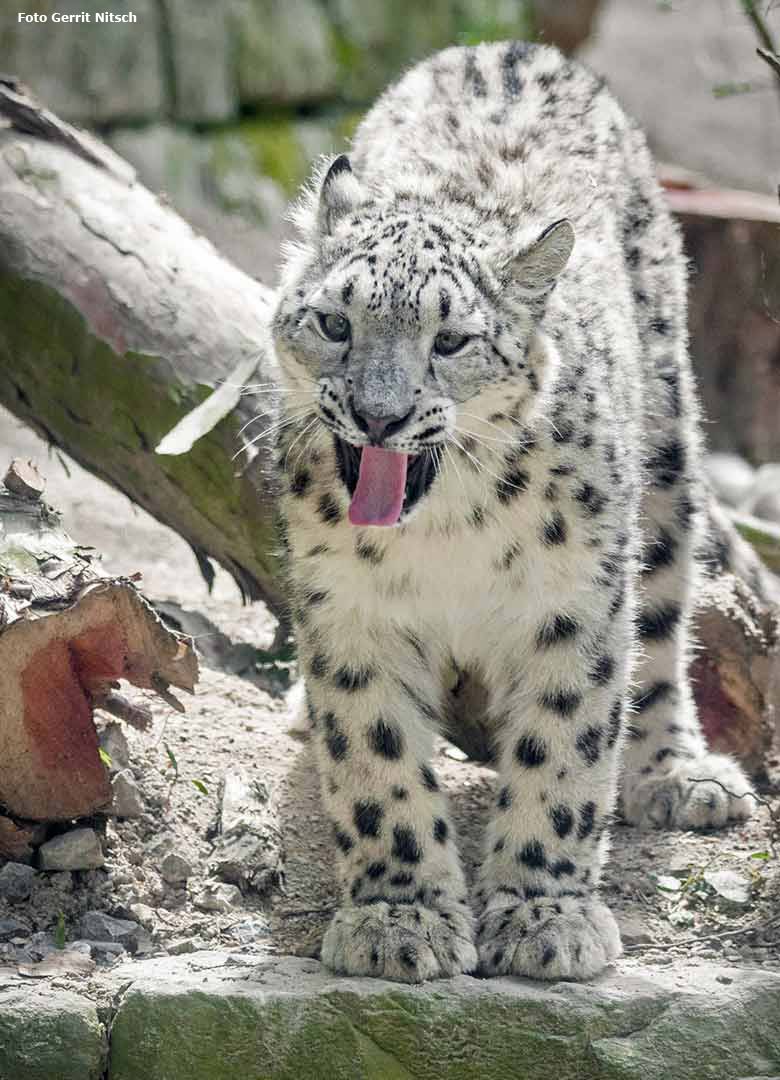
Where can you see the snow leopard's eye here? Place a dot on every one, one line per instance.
(333, 327)
(448, 342)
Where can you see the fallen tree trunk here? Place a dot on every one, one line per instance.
(116, 320)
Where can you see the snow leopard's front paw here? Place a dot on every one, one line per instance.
(404, 942)
(548, 938)
(674, 800)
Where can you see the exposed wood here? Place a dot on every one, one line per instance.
(67, 636)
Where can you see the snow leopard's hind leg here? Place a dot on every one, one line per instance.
(665, 751)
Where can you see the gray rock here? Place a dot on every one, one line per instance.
(285, 52)
(16, 882)
(732, 888)
(731, 477)
(11, 928)
(181, 947)
(634, 931)
(78, 849)
(175, 869)
(217, 897)
(126, 801)
(93, 72)
(97, 926)
(185, 1017)
(113, 742)
(144, 915)
(248, 851)
(105, 952)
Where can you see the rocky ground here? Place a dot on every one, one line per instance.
(156, 878)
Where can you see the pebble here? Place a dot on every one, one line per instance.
(633, 931)
(218, 897)
(103, 951)
(78, 849)
(114, 743)
(126, 801)
(174, 869)
(144, 915)
(255, 929)
(732, 888)
(178, 948)
(16, 882)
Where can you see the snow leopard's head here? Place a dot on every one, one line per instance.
(404, 317)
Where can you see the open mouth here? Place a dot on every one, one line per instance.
(383, 484)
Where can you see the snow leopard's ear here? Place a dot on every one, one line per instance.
(536, 269)
(339, 195)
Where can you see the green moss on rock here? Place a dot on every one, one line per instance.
(48, 1034)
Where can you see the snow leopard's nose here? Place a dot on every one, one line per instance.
(378, 428)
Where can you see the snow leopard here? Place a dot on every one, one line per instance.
(488, 448)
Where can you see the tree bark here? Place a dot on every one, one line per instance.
(116, 320)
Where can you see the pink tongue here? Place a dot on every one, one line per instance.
(379, 494)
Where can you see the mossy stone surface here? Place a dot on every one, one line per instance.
(48, 1034)
(288, 1019)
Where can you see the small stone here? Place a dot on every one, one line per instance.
(113, 742)
(126, 801)
(11, 928)
(105, 952)
(16, 882)
(455, 753)
(41, 944)
(78, 849)
(174, 869)
(180, 947)
(725, 979)
(97, 926)
(731, 887)
(667, 883)
(144, 915)
(24, 479)
(218, 897)
(634, 932)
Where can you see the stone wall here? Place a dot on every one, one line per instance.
(223, 105)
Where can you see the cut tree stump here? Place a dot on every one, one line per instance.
(68, 634)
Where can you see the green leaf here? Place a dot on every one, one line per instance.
(172, 762)
(760, 855)
(104, 757)
(59, 932)
(201, 787)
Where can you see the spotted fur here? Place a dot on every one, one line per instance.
(500, 195)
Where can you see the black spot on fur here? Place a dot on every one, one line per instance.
(376, 870)
(531, 751)
(659, 552)
(328, 509)
(429, 778)
(668, 463)
(554, 530)
(335, 739)
(603, 670)
(588, 744)
(532, 855)
(405, 846)
(563, 702)
(563, 868)
(402, 879)
(587, 820)
(343, 839)
(399, 793)
(318, 666)
(440, 830)
(300, 482)
(504, 800)
(386, 740)
(368, 816)
(592, 499)
(659, 623)
(513, 483)
(369, 552)
(560, 628)
(562, 819)
(352, 679)
(648, 696)
(615, 720)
